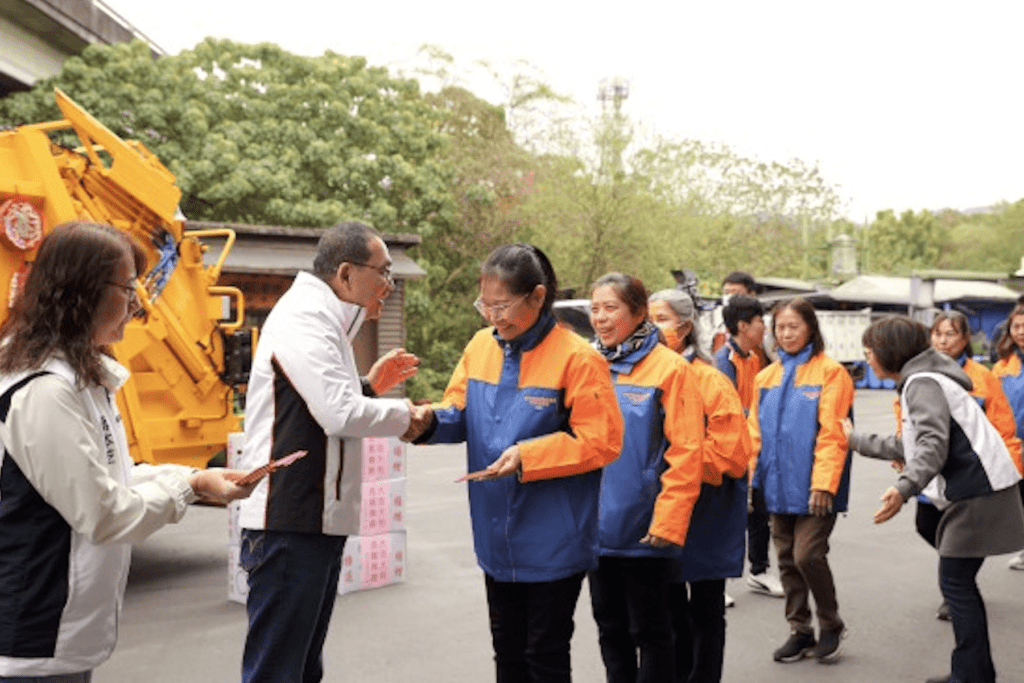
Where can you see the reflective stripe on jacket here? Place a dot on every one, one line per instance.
(795, 427)
(549, 392)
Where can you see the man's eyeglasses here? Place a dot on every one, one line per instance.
(383, 271)
(497, 309)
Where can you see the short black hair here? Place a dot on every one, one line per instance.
(738, 277)
(894, 340)
(741, 308)
(347, 242)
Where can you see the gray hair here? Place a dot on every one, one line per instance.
(344, 242)
(682, 304)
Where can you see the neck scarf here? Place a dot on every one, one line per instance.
(628, 346)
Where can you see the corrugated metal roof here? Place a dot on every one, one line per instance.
(885, 289)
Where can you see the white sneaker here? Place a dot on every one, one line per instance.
(729, 600)
(1017, 561)
(767, 584)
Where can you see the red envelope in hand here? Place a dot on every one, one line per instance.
(271, 466)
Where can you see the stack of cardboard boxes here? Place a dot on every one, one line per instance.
(377, 555)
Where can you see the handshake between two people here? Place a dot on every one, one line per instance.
(421, 417)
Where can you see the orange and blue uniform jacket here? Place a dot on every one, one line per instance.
(547, 391)
(795, 427)
(988, 390)
(1010, 371)
(741, 368)
(654, 483)
(715, 544)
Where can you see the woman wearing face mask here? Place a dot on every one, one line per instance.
(714, 545)
(803, 467)
(537, 411)
(648, 493)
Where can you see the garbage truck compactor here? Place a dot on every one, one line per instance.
(185, 359)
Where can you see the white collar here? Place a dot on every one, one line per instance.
(350, 316)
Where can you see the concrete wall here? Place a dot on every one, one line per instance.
(37, 35)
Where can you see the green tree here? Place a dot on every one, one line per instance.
(654, 205)
(256, 134)
(897, 246)
(491, 175)
(986, 241)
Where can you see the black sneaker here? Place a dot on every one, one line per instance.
(798, 646)
(829, 645)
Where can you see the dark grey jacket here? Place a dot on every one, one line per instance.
(987, 522)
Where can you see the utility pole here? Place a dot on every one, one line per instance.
(612, 92)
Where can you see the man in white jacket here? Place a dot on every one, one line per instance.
(305, 393)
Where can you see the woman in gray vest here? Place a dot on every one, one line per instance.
(954, 455)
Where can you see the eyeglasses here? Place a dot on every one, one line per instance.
(132, 293)
(496, 309)
(383, 271)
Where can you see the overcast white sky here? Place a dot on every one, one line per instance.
(901, 104)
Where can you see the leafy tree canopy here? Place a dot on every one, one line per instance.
(258, 135)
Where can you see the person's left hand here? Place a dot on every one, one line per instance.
(656, 541)
(892, 501)
(847, 425)
(820, 503)
(508, 463)
(395, 366)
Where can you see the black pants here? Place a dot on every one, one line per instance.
(630, 600)
(698, 624)
(758, 534)
(531, 626)
(972, 658)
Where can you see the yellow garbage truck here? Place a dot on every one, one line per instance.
(185, 357)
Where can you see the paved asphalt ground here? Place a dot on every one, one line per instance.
(178, 626)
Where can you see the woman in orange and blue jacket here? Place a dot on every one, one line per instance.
(1010, 367)
(648, 493)
(714, 543)
(803, 467)
(1010, 371)
(530, 399)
